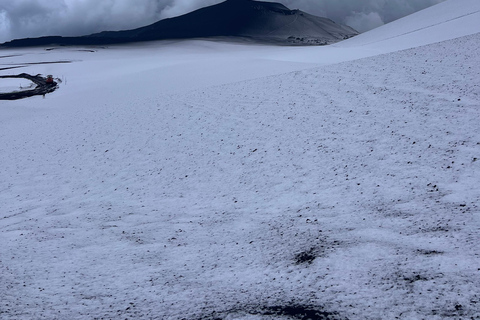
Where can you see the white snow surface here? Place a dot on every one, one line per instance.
(184, 180)
(15, 84)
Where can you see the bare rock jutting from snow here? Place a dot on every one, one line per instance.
(42, 87)
(266, 22)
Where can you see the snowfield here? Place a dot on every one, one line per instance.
(11, 85)
(207, 180)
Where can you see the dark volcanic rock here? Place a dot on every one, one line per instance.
(259, 21)
(42, 87)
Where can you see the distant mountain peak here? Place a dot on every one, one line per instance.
(269, 22)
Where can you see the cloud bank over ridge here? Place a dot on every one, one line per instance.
(35, 18)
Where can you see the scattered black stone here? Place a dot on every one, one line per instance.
(415, 278)
(42, 87)
(429, 252)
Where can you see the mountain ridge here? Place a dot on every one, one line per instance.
(259, 21)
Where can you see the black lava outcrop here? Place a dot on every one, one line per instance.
(258, 21)
(42, 87)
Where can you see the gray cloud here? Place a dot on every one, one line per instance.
(34, 18)
(362, 15)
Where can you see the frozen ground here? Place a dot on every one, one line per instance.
(200, 180)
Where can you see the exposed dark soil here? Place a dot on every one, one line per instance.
(42, 87)
(305, 256)
(300, 312)
(8, 68)
(46, 62)
(286, 312)
(11, 55)
(26, 64)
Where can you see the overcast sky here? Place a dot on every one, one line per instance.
(34, 18)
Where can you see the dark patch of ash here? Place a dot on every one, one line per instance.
(305, 256)
(291, 312)
(301, 312)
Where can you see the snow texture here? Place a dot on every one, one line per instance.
(10, 85)
(207, 180)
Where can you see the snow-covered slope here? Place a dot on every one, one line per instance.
(206, 180)
(447, 20)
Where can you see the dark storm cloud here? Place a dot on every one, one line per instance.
(34, 18)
